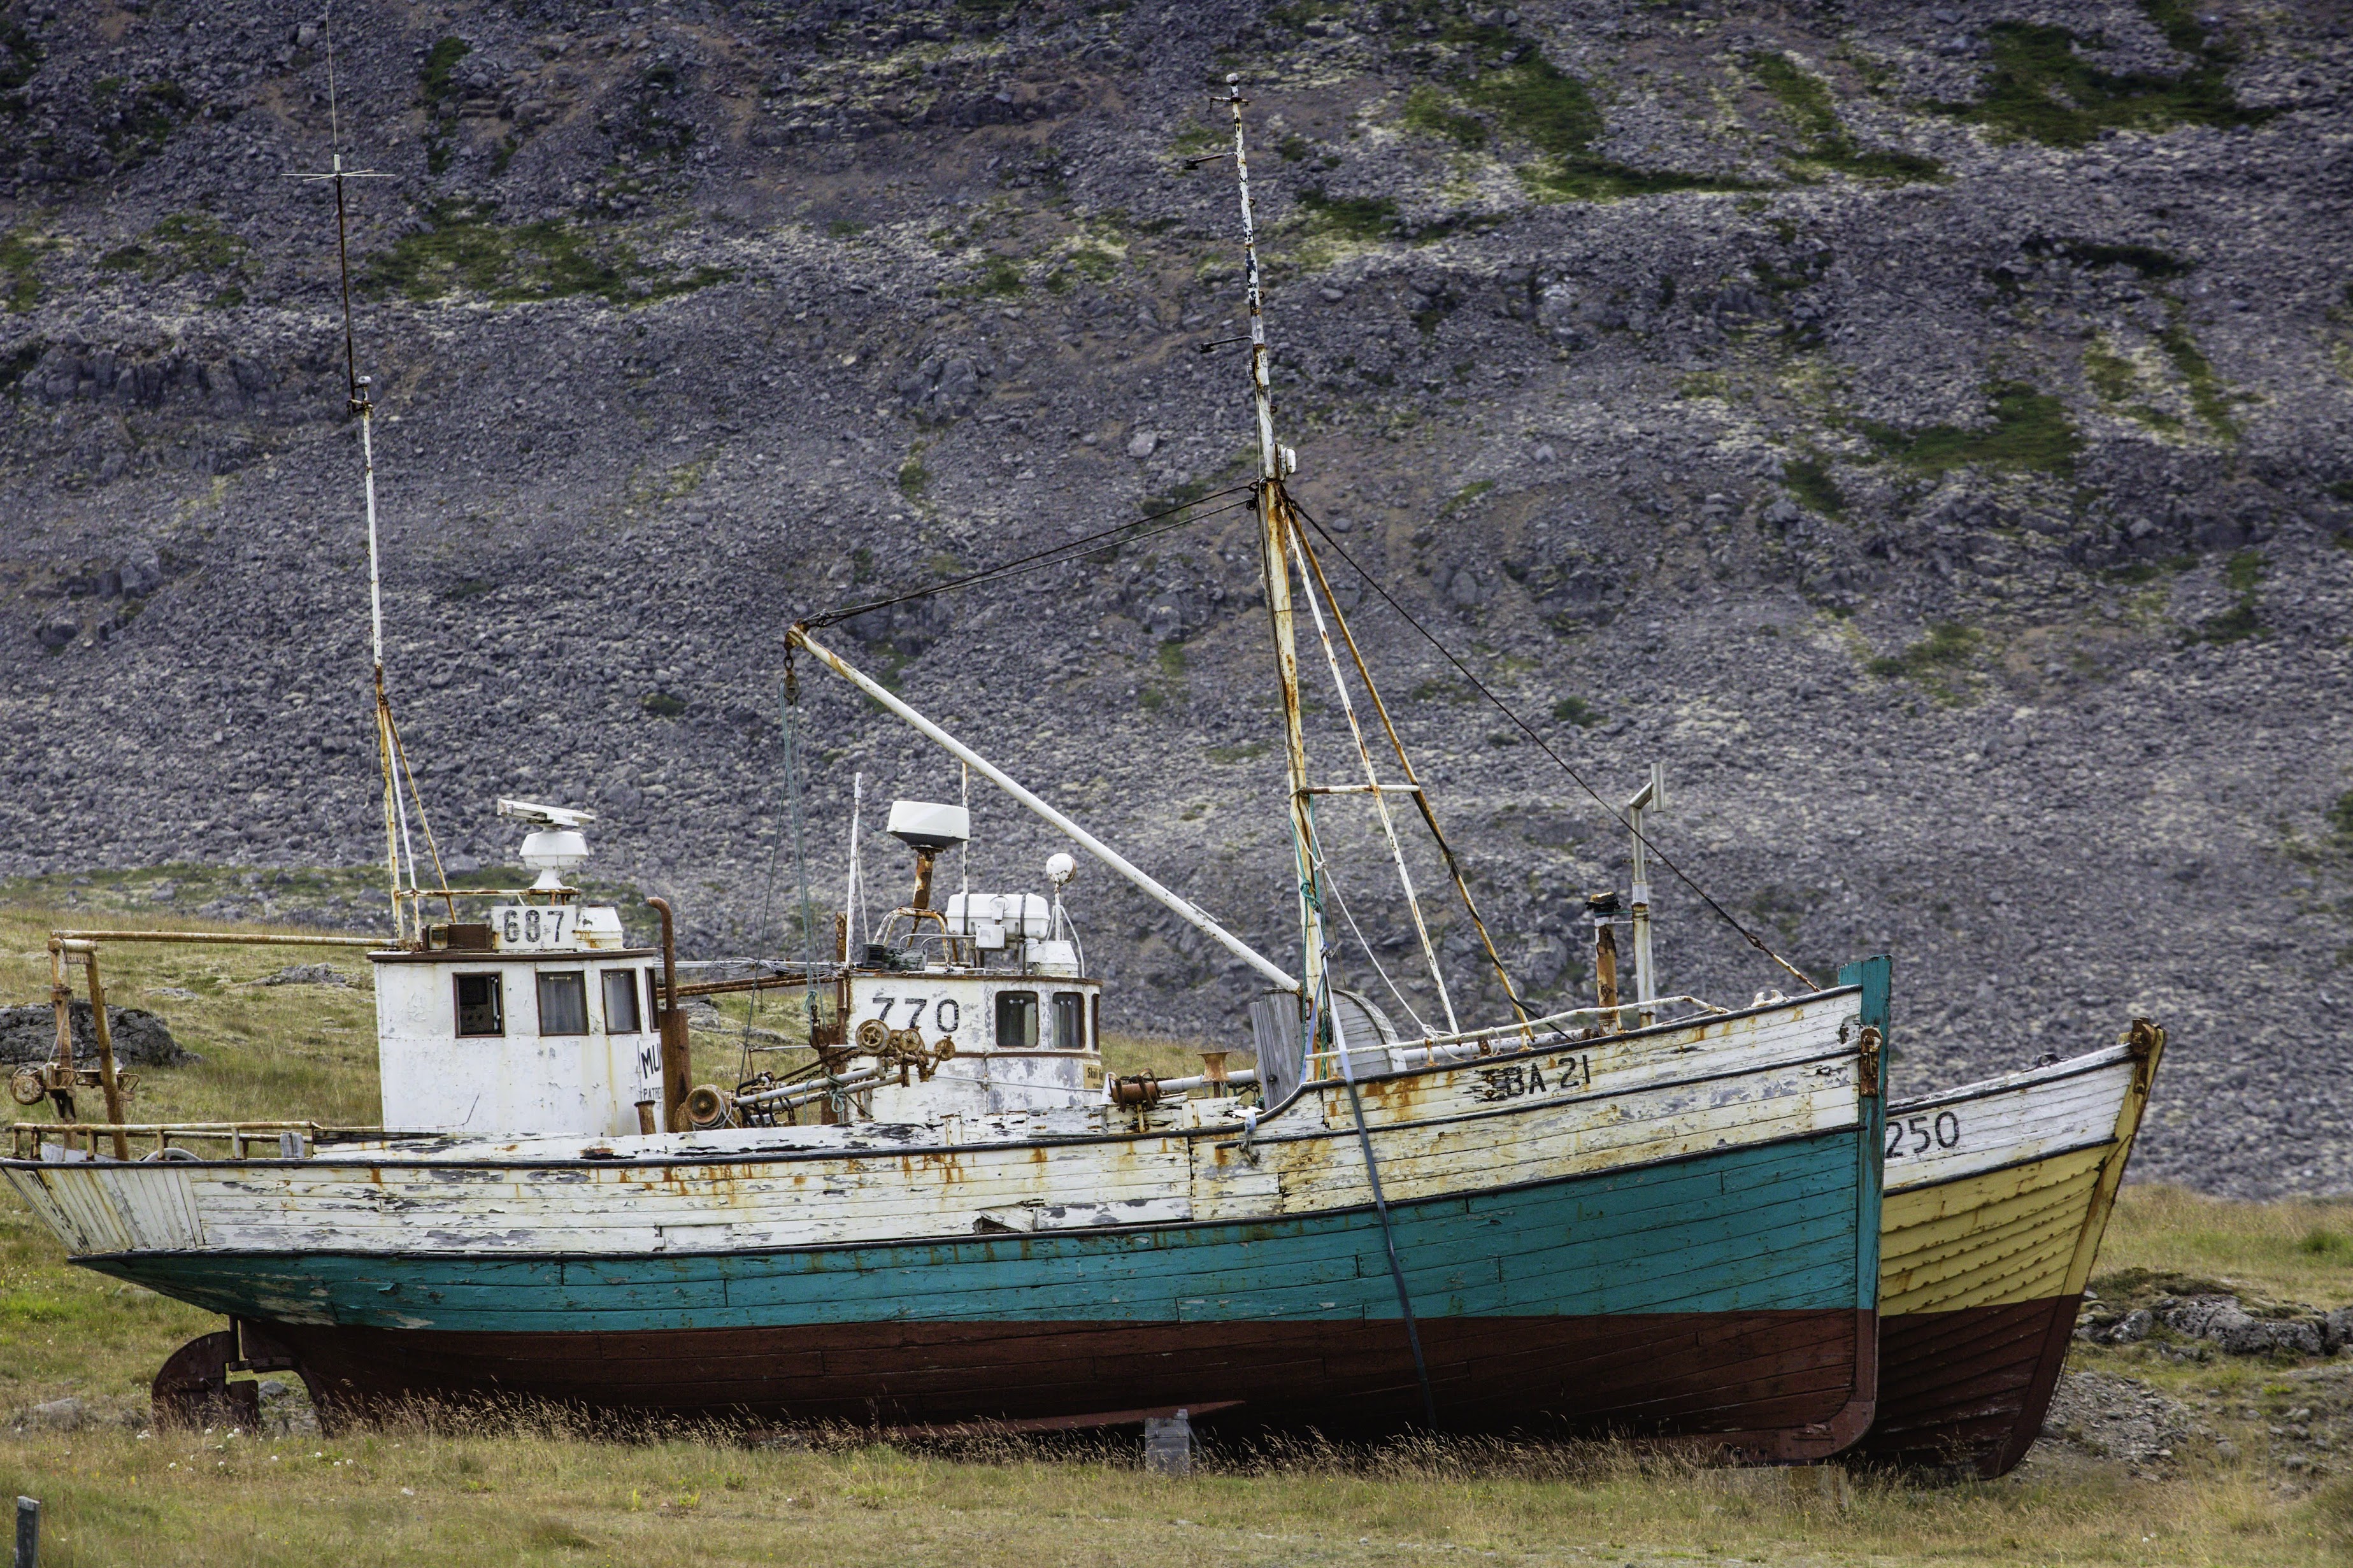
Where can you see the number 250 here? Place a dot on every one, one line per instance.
(1922, 1134)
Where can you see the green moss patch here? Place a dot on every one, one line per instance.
(191, 242)
(20, 56)
(1577, 711)
(138, 120)
(1938, 662)
(1430, 112)
(2031, 432)
(1350, 218)
(20, 279)
(437, 86)
(2207, 395)
(2041, 89)
(2145, 259)
(1829, 149)
(467, 250)
(2243, 573)
(1535, 103)
(1808, 478)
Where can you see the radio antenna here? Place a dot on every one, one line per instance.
(392, 762)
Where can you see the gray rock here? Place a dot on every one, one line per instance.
(67, 1415)
(2224, 1323)
(28, 1034)
(309, 975)
(1143, 444)
(2336, 1330)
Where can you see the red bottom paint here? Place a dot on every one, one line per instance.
(1968, 1388)
(1785, 1386)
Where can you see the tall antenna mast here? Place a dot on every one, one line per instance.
(1274, 463)
(397, 847)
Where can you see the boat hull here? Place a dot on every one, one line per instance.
(1744, 1381)
(1671, 1232)
(1986, 1247)
(1643, 1302)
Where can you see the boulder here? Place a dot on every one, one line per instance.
(2221, 1322)
(28, 1034)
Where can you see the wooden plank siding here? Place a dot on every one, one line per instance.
(1674, 1231)
(1986, 1242)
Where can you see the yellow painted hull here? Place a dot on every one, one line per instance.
(1986, 1247)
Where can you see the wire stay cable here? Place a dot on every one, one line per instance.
(1522, 725)
(1179, 516)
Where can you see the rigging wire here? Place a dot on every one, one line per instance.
(1370, 956)
(768, 904)
(1508, 713)
(1140, 528)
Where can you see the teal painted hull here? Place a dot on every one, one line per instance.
(1726, 1294)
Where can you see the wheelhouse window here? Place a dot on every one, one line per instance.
(564, 1004)
(481, 1009)
(621, 1002)
(1017, 1020)
(1070, 1021)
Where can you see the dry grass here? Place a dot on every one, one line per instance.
(407, 1494)
(534, 1492)
(2298, 1250)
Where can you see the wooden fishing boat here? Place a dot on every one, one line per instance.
(1997, 1195)
(1654, 1216)
(1669, 1232)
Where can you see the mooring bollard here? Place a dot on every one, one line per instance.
(28, 1532)
(1168, 1445)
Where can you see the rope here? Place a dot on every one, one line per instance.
(1142, 528)
(1388, 1232)
(1517, 723)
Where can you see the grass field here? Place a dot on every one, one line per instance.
(116, 1493)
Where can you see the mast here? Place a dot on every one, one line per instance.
(391, 763)
(1273, 464)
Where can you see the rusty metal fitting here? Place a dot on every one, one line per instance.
(707, 1109)
(1138, 1089)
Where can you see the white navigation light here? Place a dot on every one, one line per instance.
(1059, 869)
(922, 826)
(555, 845)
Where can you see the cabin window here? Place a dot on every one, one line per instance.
(1070, 1021)
(564, 1004)
(621, 1002)
(1017, 1020)
(481, 1009)
(653, 995)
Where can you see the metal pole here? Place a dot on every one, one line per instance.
(106, 1079)
(1651, 796)
(676, 1070)
(1182, 907)
(61, 1075)
(1276, 566)
(218, 938)
(1374, 788)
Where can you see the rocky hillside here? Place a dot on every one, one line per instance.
(1925, 431)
